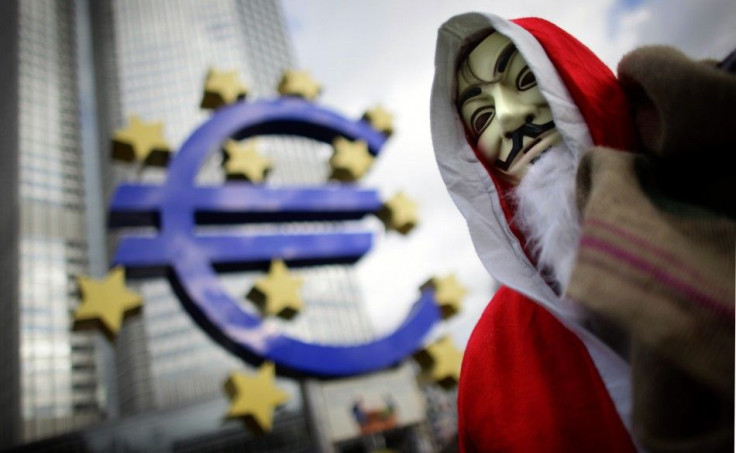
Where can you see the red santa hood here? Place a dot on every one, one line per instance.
(588, 108)
(591, 85)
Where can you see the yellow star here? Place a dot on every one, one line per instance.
(278, 293)
(399, 213)
(441, 361)
(350, 160)
(142, 142)
(254, 398)
(448, 292)
(244, 161)
(299, 83)
(380, 119)
(221, 88)
(105, 302)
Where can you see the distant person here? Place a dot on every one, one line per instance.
(359, 412)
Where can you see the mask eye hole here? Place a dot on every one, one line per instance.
(481, 119)
(525, 79)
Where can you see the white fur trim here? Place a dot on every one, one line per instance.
(547, 212)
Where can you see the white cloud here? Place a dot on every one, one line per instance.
(701, 29)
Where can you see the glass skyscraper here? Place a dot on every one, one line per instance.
(160, 383)
(156, 56)
(59, 383)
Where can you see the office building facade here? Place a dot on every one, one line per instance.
(154, 57)
(163, 374)
(57, 385)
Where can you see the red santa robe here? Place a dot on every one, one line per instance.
(533, 377)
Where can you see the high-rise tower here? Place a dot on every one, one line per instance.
(162, 375)
(50, 373)
(152, 61)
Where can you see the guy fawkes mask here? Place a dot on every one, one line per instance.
(505, 114)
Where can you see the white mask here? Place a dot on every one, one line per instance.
(502, 107)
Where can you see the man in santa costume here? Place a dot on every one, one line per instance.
(516, 105)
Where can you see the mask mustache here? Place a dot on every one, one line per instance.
(517, 141)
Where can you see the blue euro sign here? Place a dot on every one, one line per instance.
(190, 260)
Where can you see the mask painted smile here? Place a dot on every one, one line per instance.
(533, 131)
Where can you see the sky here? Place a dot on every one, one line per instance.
(381, 52)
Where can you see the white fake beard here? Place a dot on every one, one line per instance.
(547, 212)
